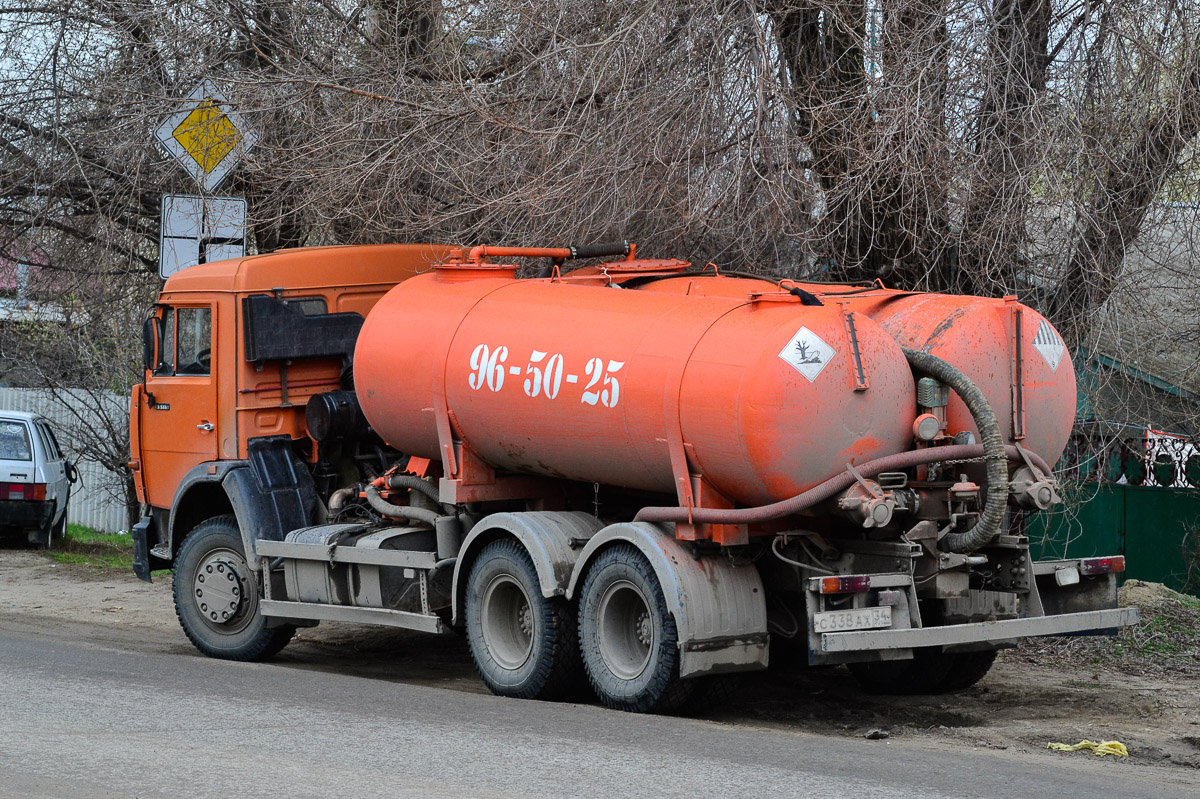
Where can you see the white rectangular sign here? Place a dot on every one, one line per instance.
(198, 230)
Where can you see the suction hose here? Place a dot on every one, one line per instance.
(996, 499)
(992, 449)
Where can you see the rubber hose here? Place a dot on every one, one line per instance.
(399, 511)
(996, 500)
(829, 488)
(416, 484)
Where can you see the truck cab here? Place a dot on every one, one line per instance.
(232, 356)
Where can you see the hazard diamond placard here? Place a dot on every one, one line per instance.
(206, 136)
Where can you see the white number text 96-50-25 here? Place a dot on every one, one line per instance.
(545, 375)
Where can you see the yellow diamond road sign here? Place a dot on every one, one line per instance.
(206, 136)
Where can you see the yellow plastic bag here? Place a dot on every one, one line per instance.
(1102, 748)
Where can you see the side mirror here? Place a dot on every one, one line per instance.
(151, 335)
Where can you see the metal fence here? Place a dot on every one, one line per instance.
(97, 500)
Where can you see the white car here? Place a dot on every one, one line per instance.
(35, 478)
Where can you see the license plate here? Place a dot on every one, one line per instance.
(841, 621)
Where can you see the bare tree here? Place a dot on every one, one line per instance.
(1008, 146)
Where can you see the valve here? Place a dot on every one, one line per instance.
(1032, 491)
(865, 502)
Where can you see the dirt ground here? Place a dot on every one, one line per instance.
(1142, 688)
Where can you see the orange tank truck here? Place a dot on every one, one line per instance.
(636, 476)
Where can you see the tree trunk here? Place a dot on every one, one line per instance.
(993, 237)
(1122, 196)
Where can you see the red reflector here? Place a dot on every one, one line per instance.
(1113, 565)
(845, 585)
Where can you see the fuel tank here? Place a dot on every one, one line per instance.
(585, 380)
(1010, 351)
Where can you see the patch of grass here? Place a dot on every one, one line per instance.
(88, 547)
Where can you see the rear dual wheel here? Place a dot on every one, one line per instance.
(523, 644)
(931, 671)
(628, 637)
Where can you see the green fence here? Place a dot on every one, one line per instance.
(1156, 529)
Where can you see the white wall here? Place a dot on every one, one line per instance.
(97, 500)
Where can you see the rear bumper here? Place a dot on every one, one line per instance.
(1092, 621)
(26, 514)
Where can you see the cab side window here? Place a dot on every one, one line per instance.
(186, 347)
(194, 355)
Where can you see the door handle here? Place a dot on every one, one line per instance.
(207, 427)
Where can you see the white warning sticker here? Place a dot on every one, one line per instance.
(1049, 345)
(807, 353)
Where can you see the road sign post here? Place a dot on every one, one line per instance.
(208, 139)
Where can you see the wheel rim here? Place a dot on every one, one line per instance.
(223, 593)
(627, 634)
(506, 617)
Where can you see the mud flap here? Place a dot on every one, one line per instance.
(141, 548)
(719, 609)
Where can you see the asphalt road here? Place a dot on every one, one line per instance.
(108, 718)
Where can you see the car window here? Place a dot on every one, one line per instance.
(186, 347)
(307, 306)
(14, 441)
(48, 443)
(58, 453)
(195, 341)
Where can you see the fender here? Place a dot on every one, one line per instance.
(720, 609)
(552, 539)
(271, 494)
(183, 515)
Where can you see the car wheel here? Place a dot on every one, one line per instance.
(627, 637)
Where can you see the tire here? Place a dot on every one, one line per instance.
(968, 669)
(924, 674)
(222, 619)
(711, 694)
(627, 637)
(58, 530)
(522, 643)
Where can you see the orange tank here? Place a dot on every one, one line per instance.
(762, 395)
(1009, 350)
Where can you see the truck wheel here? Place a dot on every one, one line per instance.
(628, 637)
(216, 596)
(924, 674)
(968, 669)
(523, 644)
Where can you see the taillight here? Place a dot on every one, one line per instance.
(23, 491)
(845, 585)
(1113, 565)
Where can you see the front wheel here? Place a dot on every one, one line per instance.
(216, 596)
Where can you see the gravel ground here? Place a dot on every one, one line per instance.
(1141, 687)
